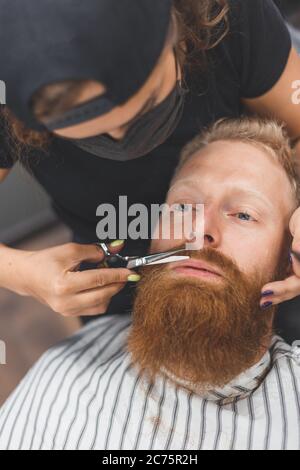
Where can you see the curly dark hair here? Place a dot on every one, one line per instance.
(200, 24)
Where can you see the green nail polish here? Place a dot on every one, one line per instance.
(117, 243)
(134, 278)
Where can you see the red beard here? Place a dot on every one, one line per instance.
(202, 332)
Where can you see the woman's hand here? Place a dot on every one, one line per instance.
(52, 277)
(277, 292)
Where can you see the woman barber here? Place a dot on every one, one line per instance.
(101, 98)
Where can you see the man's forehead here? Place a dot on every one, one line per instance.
(238, 167)
(230, 156)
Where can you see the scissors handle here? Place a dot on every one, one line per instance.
(114, 261)
(133, 262)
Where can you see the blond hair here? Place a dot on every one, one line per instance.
(266, 134)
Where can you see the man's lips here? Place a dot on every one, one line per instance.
(196, 268)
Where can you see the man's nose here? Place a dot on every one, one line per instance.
(212, 228)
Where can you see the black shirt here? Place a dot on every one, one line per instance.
(246, 64)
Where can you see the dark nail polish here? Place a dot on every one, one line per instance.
(267, 305)
(267, 293)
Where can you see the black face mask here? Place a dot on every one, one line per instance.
(144, 135)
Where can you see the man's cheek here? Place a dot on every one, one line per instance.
(167, 235)
(253, 260)
(271, 254)
(163, 242)
(244, 256)
(158, 246)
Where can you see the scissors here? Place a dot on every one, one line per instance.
(133, 262)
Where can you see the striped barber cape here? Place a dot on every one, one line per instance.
(86, 394)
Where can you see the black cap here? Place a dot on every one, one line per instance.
(115, 42)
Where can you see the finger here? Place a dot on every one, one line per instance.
(295, 226)
(116, 246)
(80, 281)
(96, 300)
(93, 312)
(295, 230)
(94, 252)
(296, 263)
(281, 291)
(77, 253)
(86, 312)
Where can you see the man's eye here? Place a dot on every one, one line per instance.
(244, 216)
(181, 207)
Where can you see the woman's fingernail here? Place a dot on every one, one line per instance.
(267, 293)
(267, 305)
(117, 243)
(134, 278)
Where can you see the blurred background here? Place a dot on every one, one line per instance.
(27, 327)
(27, 221)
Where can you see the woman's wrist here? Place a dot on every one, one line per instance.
(13, 269)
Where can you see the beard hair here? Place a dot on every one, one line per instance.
(206, 333)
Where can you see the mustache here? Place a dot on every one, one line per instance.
(212, 256)
(223, 263)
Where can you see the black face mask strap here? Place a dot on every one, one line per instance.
(81, 113)
(91, 109)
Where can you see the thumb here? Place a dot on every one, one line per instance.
(94, 252)
(116, 246)
(295, 251)
(295, 231)
(76, 253)
(295, 226)
(296, 262)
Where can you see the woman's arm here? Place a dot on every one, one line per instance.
(279, 102)
(11, 276)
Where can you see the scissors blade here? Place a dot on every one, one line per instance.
(171, 259)
(150, 260)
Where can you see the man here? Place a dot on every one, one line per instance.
(197, 366)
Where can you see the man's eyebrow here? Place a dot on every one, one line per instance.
(256, 194)
(187, 184)
(184, 184)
